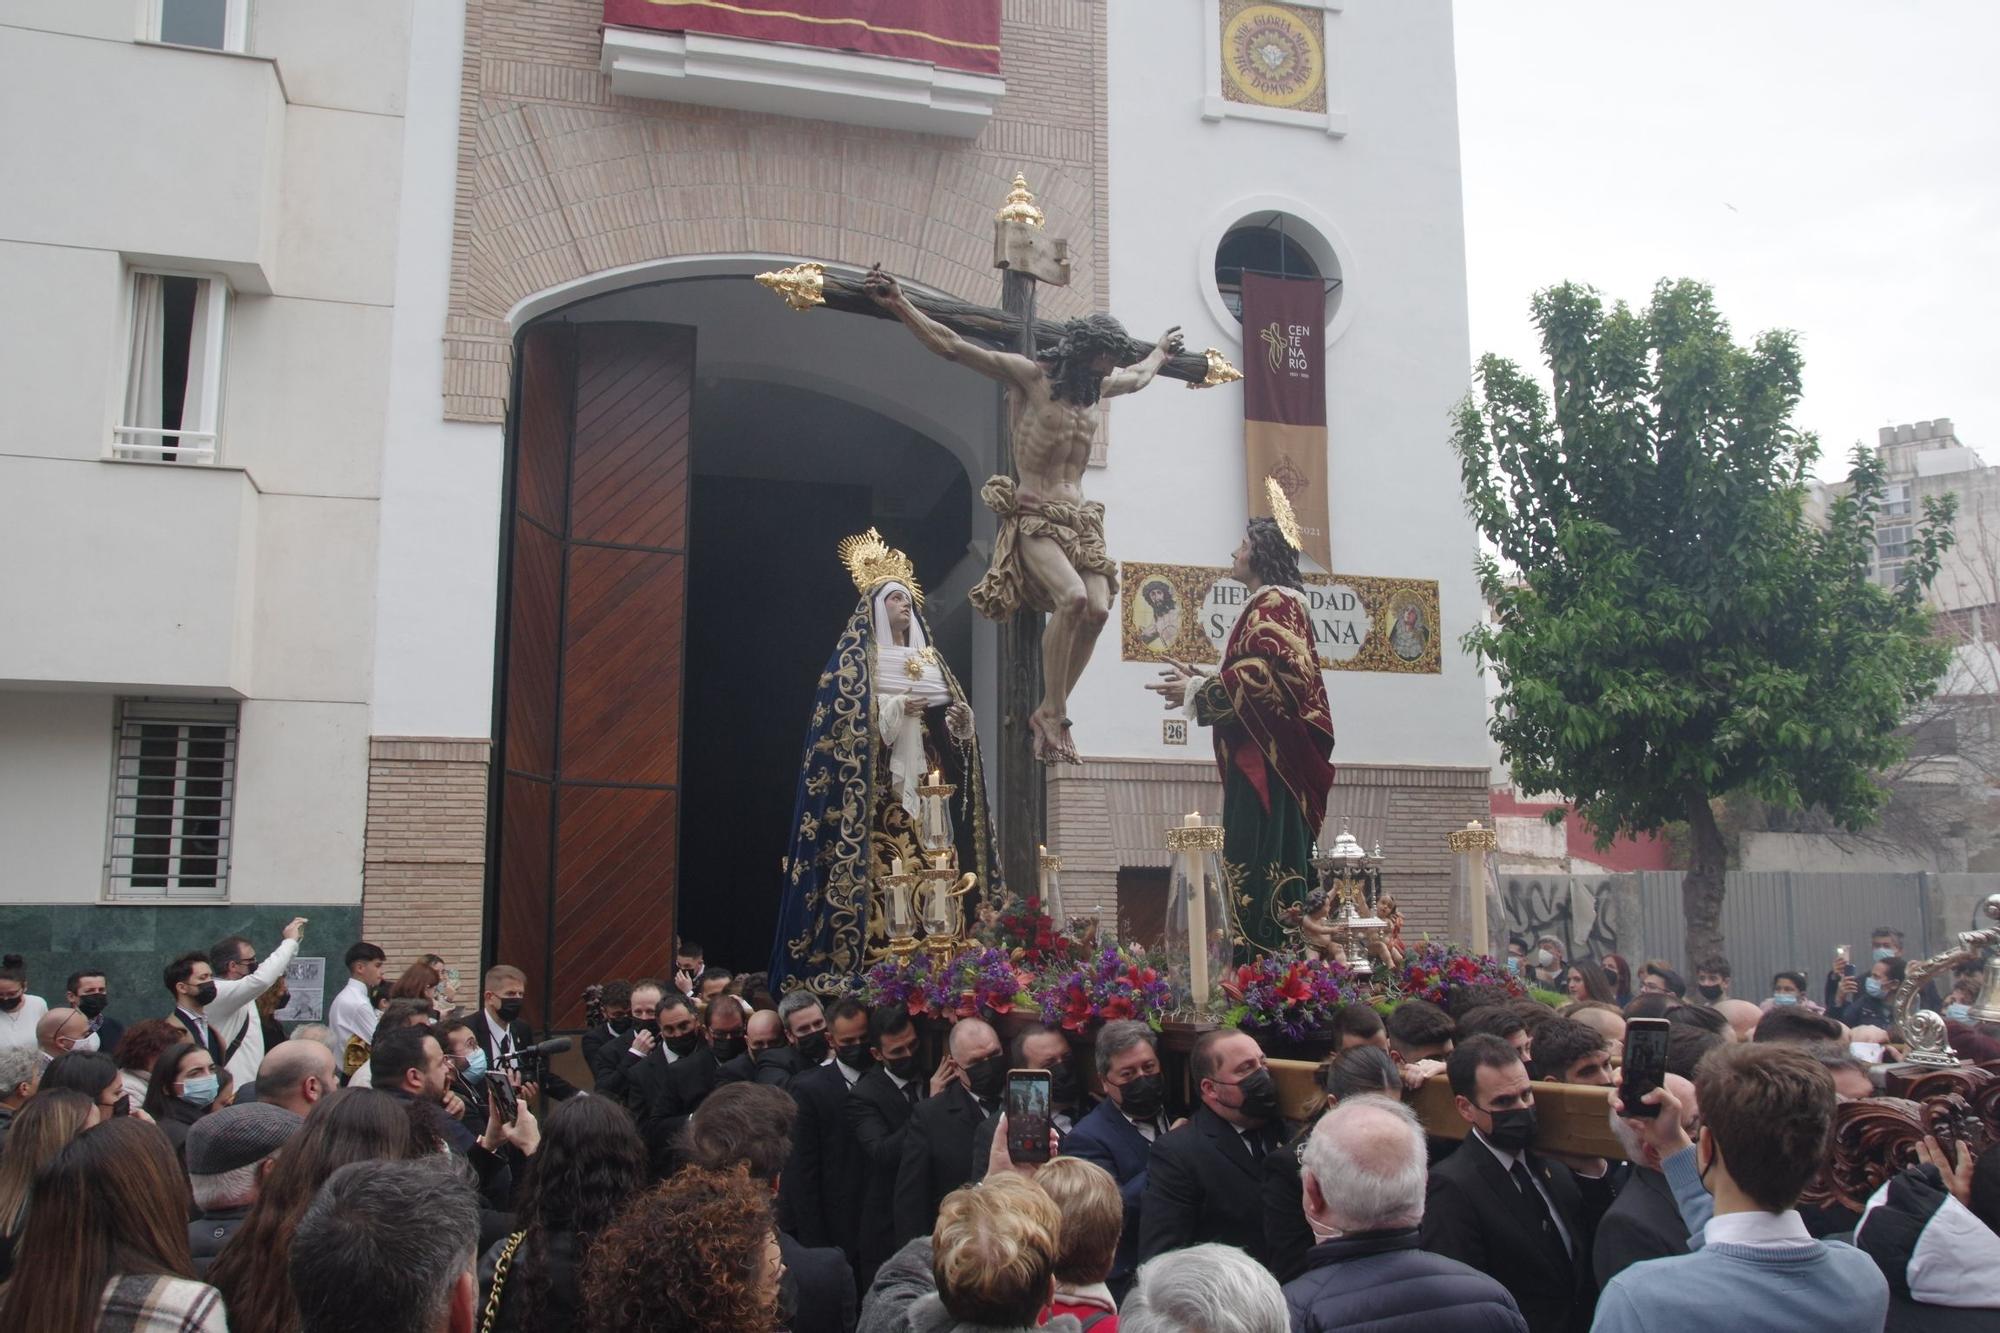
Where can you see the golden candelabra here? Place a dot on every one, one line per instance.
(929, 898)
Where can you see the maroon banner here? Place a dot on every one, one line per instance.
(955, 34)
(1284, 401)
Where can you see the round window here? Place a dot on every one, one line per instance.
(1274, 245)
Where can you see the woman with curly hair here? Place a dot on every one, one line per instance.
(351, 1125)
(698, 1254)
(591, 1161)
(140, 1049)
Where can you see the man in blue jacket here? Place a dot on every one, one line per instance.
(1767, 1113)
(1118, 1135)
(1365, 1175)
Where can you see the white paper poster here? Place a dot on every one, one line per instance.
(305, 979)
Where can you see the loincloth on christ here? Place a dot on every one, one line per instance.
(1077, 526)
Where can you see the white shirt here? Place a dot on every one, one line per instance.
(1758, 1230)
(352, 1014)
(235, 1005)
(18, 1028)
(502, 1034)
(1507, 1160)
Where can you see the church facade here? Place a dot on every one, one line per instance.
(593, 475)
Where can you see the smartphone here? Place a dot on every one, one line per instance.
(1845, 953)
(1028, 1116)
(1645, 1065)
(501, 1088)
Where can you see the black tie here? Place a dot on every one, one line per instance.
(910, 1092)
(1525, 1182)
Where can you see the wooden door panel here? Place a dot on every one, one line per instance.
(629, 467)
(534, 641)
(617, 852)
(622, 666)
(521, 935)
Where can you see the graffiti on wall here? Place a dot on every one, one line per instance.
(1592, 915)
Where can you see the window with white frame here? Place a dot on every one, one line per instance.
(173, 800)
(1896, 500)
(173, 375)
(219, 25)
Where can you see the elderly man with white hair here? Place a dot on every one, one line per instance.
(1643, 1222)
(1365, 1172)
(1203, 1289)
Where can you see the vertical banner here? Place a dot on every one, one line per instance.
(1284, 401)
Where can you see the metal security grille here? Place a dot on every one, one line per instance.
(172, 806)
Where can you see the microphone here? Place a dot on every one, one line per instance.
(553, 1046)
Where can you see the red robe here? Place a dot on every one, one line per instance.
(1272, 715)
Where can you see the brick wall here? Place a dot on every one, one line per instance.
(423, 877)
(558, 179)
(1108, 813)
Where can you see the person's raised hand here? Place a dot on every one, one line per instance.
(1847, 988)
(1664, 1133)
(643, 1043)
(1418, 1072)
(295, 929)
(946, 1074)
(454, 1105)
(526, 1131)
(1954, 1165)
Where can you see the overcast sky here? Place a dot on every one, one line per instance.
(1828, 166)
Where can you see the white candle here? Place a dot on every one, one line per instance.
(1042, 871)
(1197, 919)
(938, 919)
(896, 866)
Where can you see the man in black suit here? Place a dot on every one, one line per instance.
(1643, 1222)
(191, 981)
(502, 1034)
(614, 998)
(616, 1062)
(937, 1143)
(652, 1092)
(89, 992)
(1203, 1180)
(822, 1186)
(1037, 1046)
(1120, 1133)
(746, 1125)
(692, 1070)
(878, 1111)
(1517, 1216)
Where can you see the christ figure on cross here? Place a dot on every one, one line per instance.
(1049, 554)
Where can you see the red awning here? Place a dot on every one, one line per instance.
(955, 34)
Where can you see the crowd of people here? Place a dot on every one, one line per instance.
(745, 1162)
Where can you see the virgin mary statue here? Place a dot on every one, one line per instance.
(888, 712)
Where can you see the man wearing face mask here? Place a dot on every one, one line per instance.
(615, 1062)
(1204, 1180)
(502, 1034)
(822, 1184)
(191, 981)
(767, 1057)
(1643, 1222)
(62, 1031)
(89, 992)
(937, 1143)
(878, 1112)
(1513, 1214)
(1711, 979)
(1039, 1047)
(1120, 1133)
(1866, 1001)
(690, 1080)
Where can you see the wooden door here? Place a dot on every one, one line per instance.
(585, 818)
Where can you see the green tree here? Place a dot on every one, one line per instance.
(1669, 626)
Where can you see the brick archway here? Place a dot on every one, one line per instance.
(559, 179)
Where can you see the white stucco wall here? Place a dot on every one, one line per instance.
(1390, 191)
(279, 170)
(438, 553)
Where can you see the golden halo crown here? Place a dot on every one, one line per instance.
(1281, 512)
(872, 562)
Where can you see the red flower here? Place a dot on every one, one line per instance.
(1118, 1007)
(1294, 987)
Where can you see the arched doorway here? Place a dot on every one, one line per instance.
(683, 456)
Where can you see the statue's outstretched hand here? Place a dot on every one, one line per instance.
(1171, 341)
(1173, 685)
(958, 719)
(882, 287)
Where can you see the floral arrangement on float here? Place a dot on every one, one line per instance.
(978, 979)
(1431, 971)
(1077, 996)
(1033, 939)
(1296, 998)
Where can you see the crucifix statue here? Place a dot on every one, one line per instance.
(1049, 553)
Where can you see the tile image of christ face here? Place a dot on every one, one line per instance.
(1157, 615)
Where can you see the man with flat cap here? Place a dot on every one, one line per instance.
(228, 1153)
